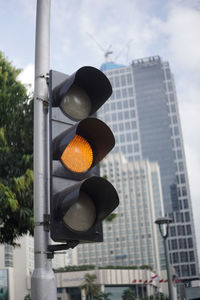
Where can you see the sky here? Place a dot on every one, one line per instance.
(83, 30)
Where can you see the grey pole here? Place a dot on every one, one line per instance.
(169, 273)
(166, 221)
(43, 284)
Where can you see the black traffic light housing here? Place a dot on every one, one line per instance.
(77, 139)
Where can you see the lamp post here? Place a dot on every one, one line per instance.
(163, 223)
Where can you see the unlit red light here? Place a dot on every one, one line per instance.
(78, 155)
(76, 103)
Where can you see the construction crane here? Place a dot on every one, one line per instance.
(107, 52)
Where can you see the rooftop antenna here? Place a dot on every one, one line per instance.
(107, 52)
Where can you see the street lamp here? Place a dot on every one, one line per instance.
(163, 223)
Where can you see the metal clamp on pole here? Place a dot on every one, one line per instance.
(53, 248)
(45, 222)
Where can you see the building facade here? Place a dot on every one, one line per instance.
(131, 238)
(144, 116)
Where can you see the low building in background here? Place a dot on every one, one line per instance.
(114, 281)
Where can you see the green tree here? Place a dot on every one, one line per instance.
(16, 155)
(128, 294)
(89, 286)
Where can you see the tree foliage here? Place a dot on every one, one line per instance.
(128, 294)
(103, 296)
(16, 155)
(89, 286)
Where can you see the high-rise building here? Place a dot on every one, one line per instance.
(144, 116)
(132, 237)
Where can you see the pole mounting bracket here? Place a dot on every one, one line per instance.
(45, 222)
(58, 247)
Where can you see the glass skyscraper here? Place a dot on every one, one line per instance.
(143, 114)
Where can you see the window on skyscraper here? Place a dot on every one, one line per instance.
(119, 105)
(127, 125)
(124, 93)
(126, 115)
(185, 203)
(185, 270)
(179, 154)
(112, 106)
(120, 115)
(173, 108)
(181, 166)
(174, 244)
(118, 94)
(133, 124)
(114, 117)
(125, 104)
(129, 79)
(193, 269)
(191, 255)
(171, 97)
(187, 216)
(170, 86)
(172, 231)
(136, 147)
(132, 112)
(130, 92)
(117, 82)
(176, 131)
(178, 142)
(123, 80)
(190, 243)
(184, 191)
(135, 136)
(175, 257)
(182, 178)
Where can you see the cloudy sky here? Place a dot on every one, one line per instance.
(83, 30)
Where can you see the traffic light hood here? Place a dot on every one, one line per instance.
(92, 81)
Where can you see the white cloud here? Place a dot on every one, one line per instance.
(27, 77)
(183, 30)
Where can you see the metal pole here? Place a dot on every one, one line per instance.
(169, 274)
(43, 284)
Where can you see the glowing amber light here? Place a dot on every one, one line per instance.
(78, 155)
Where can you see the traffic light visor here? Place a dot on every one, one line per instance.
(78, 155)
(81, 94)
(87, 202)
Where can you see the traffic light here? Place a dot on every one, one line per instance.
(79, 199)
